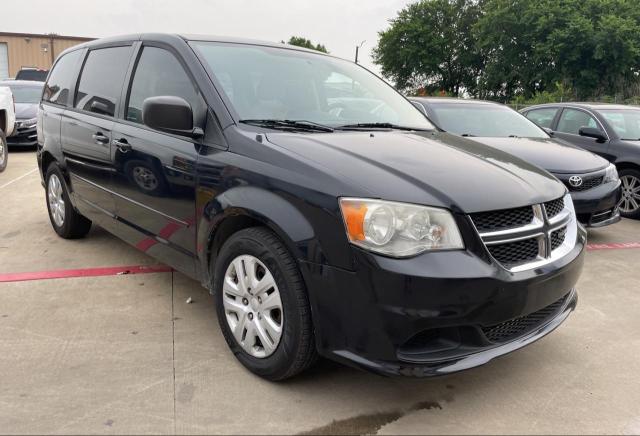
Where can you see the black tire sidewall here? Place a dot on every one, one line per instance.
(65, 229)
(636, 174)
(275, 365)
(5, 151)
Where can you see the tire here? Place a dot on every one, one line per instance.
(71, 225)
(630, 202)
(295, 350)
(4, 152)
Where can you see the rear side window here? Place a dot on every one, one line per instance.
(101, 80)
(61, 78)
(158, 73)
(542, 117)
(572, 119)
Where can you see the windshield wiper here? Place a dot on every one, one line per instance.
(467, 134)
(358, 126)
(289, 125)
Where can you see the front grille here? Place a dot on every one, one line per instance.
(586, 184)
(557, 237)
(554, 207)
(502, 219)
(514, 328)
(513, 253)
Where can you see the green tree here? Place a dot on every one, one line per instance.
(430, 46)
(306, 43)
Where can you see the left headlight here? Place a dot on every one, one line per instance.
(399, 229)
(611, 174)
(29, 123)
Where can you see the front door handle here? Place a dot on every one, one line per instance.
(122, 145)
(99, 138)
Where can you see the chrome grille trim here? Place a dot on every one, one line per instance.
(540, 228)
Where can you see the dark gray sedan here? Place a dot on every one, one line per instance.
(610, 130)
(26, 95)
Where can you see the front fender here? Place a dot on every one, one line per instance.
(290, 218)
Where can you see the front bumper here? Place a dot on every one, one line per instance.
(430, 315)
(598, 207)
(23, 136)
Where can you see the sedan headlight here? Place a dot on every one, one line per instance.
(399, 229)
(28, 123)
(611, 174)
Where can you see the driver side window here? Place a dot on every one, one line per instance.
(158, 73)
(572, 120)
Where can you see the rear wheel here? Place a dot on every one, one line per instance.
(4, 152)
(262, 305)
(630, 202)
(66, 221)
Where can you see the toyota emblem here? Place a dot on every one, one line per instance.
(575, 181)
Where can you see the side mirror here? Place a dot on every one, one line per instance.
(549, 131)
(591, 132)
(171, 115)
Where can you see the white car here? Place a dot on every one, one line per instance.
(7, 123)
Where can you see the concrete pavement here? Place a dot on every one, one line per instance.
(126, 354)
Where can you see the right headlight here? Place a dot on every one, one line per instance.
(399, 229)
(611, 174)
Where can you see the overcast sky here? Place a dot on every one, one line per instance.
(338, 24)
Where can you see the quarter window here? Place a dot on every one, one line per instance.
(158, 73)
(572, 119)
(542, 117)
(101, 80)
(57, 88)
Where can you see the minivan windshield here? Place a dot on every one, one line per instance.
(278, 84)
(484, 120)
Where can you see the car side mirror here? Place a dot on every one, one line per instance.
(549, 131)
(170, 114)
(591, 132)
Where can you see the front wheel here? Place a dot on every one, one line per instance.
(66, 221)
(630, 202)
(4, 152)
(262, 305)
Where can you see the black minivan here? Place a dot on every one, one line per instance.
(319, 206)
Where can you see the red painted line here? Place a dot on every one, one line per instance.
(84, 272)
(613, 246)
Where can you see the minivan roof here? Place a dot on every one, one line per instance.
(167, 37)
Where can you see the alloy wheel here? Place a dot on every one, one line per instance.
(2, 153)
(252, 306)
(630, 201)
(56, 200)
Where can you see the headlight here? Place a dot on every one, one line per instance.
(611, 174)
(28, 123)
(399, 229)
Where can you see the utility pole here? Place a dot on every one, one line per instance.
(358, 49)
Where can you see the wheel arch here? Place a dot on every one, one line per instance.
(243, 207)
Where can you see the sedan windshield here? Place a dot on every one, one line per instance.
(26, 94)
(625, 122)
(484, 120)
(280, 88)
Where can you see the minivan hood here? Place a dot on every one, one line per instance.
(553, 155)
(432, 168)
(25, 111)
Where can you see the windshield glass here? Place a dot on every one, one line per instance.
(625, 122)
(268, 83)
(25, 94)
(486, 120)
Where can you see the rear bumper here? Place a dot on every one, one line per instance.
(436, 313)
(597, 207)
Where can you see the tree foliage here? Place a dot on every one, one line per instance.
(306, 43)
(502, 49)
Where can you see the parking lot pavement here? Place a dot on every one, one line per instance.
(126, 354)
